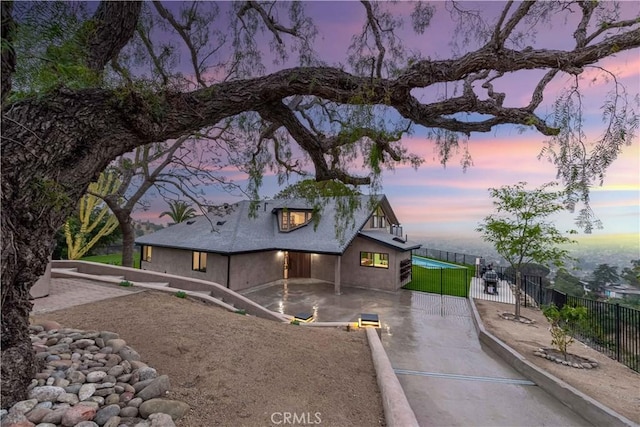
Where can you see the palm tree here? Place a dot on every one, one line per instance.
(179, 211)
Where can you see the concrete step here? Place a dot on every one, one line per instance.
(164, 284)
(203, 292)
(73, 269)
(108, 276)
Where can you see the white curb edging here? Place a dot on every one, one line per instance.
(397, 411)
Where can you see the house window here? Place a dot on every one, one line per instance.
(199, 261)
(374, 259)
(379, 220)
(146, 253)
(294, 219)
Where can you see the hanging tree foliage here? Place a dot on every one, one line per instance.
(87, 102)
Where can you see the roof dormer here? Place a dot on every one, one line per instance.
(291, 219)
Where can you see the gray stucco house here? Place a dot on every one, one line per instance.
(286, 239)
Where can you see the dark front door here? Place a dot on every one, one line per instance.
(299, 265)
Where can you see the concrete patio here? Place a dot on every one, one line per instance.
(433, 347)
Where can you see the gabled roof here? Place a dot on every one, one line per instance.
(234, 231)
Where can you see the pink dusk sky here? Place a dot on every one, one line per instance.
(437, 201)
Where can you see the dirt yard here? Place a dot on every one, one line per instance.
(240, 370)
(612, 383)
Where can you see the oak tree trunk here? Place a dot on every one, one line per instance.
(48, 161)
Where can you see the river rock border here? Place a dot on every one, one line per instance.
(92, 379)
(578, 362)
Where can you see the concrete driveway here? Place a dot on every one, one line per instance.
(433, 347)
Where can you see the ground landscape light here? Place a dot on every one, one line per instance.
(304, 317)
(369, 319)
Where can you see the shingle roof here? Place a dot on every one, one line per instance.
(234, 231)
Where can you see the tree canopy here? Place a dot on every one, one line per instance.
(78, 92)
(520, 231)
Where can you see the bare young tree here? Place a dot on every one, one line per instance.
(87, 104)
(175, 169)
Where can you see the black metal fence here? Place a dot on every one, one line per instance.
(442, 281)
(611, 329)
(456, 257)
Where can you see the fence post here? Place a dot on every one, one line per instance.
(539, 291)
(441, 284)
(618, 331)
(466, 280)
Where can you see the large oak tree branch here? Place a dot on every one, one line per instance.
(113, 25)
(8, 53)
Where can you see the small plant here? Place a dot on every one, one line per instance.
(295, 322)
(181, 294)
(241, 311)
(563, 324)
(126, 284)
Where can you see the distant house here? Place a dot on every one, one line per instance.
(621, 291)
(285, 239)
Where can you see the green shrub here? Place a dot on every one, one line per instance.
(181, 294)
(563, 324)
(241, 311)
(126, 283)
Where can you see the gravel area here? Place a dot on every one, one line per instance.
(240, 370)
(611, 383)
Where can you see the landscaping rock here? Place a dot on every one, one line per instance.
(16, 420)
(106, 413)
(49, 325)
(37, 414)
(69, 398)
(24, 406)
(172, 407)
(127, 353)
(84, 384)
(146, 373)
(86, 391)
(77, 414)
(157, 388)
(112, 422)
(54, 417)
(161, 420)
(116, 344)
(46, 393)
(129, 411)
